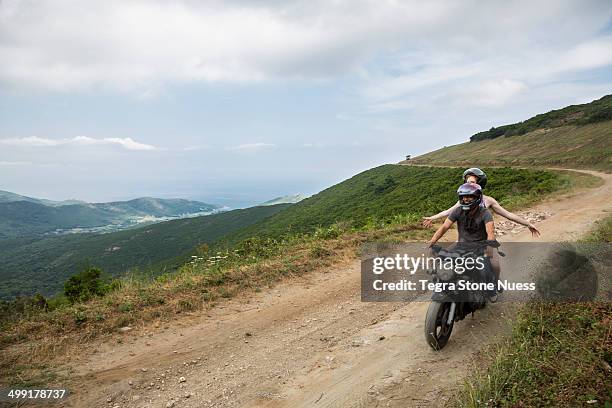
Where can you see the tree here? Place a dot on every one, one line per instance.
(85, 285)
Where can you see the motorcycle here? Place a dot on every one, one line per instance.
(452, 304)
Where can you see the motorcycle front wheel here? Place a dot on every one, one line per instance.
(437, 329)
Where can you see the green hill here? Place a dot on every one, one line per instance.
(7, 196)
(597, 111)
(384, 192)
(23, 218)
(578, 136)
(32, 264)
(156, 207)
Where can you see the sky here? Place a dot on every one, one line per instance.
(235, 102)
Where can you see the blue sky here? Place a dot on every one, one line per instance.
(236, 102)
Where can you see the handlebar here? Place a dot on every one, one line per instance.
(493, 243)
(476, 245)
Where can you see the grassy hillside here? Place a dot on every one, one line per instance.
(382, 193)
(588, 146)
(21, 218)
(29, 264)
(599, 110)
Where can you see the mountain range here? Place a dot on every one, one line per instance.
(22, 216)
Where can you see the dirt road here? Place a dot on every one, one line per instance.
(309, 342)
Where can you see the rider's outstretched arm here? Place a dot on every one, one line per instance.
(495, 206)
(490, 227)
(440, 232)
(427, 221)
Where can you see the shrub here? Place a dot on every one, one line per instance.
(79, 316)
(331, 232)
(85, 285)
(23, 306)
(319, 251)
(256, 247)
(126, 307)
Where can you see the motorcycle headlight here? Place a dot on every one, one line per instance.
(445, 274)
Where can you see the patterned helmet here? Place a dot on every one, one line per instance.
(470, 189)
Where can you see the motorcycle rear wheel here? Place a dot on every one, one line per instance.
(437, 329)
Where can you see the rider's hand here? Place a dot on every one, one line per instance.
(427, 222)
(430, 250)
(534, 231)
(493, 243)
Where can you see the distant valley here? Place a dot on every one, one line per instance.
(22, 216)
(35, 264)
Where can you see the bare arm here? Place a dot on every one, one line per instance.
(427, 221)
(490, 226)
(440, 232)
(495, 206)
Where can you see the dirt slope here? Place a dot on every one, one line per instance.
(308, 342)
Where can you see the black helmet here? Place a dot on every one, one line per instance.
(481, 176)
(470, 189)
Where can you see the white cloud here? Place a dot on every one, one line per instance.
(35, 141)
(587, 55)
(313, 145)
(194, 148)
(436, 77)
(14, 163)
(428, 74)
(252, 147)
(29, 141)
(491, 93)
(140, 45)
(406, 76)
(127, 143)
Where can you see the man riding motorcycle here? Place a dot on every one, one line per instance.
(474, 220)
(476, 241)
(476, 231)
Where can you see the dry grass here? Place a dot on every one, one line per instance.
(559, 355)
(586, 147)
